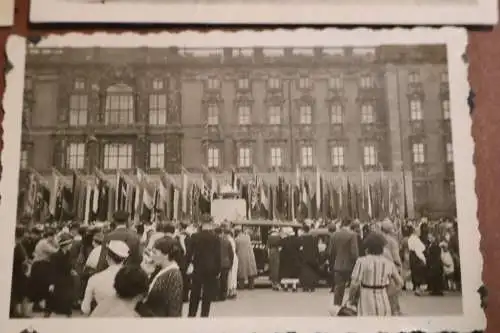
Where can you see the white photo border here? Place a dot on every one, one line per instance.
(446, 12)
(471, 260)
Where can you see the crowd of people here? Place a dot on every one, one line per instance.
(150, 270)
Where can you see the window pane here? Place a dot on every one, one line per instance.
(118, 156)
(158, 109)
(213, 114)
(244, 115)
(275, 115)
(157, 155)
(306, 115)
(418, 153)
(416, 110)
(75, 156)
(244, 160)
(367, 114)
(78, 110)
(369, 156)
(446, 109)
(276, 157)
(119, 105)
(306, 156)
(338, 156)
(213, 157)
(336, 114)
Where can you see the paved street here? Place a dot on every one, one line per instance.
(268, 303)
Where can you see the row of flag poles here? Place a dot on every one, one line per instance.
(96, 197)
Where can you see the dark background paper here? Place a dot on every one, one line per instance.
(483, 56)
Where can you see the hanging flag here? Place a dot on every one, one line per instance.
(175, 215)
(87, 213)
(264, 198)
(121, 191)
(369, 195)
(185, 185)
(318, 189)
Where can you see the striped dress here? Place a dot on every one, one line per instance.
(372, 274)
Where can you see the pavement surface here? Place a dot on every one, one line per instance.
(268, 303)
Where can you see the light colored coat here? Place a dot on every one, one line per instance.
(232, 280)
(247, 267)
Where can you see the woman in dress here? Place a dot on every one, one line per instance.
(371, 277)
(131, 284)
(233, 273)
(165, 295)
(62, 279)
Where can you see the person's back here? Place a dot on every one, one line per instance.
(206, 253)
(344, 251)
(127, 236)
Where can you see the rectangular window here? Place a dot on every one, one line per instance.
(213, 157)
(306, 156)
(24, 159)
(157, 155)
(157, 109)
(414, 78)
(367, 114)
(117, 156)
(305, 114)
(213, 115)
(337, 156)
(449, 152)
(452, 188)
(244, 157)
(275, 115)
(445, 104)
(304, 83)
(79, 84)
(369, 156)
(75, 156)
(243, 83)
(78, 110)
(244, 115)
(335, 83)
(366, 82)
(336, 114)
(274, 83)
(158, 84)
(119, 109)
(276, 157)
(416, 109)
(213, 83)
(418, 151)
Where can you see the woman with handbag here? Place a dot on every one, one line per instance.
(165, 295)
(371, 277)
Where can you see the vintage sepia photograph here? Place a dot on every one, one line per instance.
(392, 12)
(275, 176)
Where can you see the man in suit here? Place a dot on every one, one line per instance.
(124, 234)
(205, 257)
(343, 253)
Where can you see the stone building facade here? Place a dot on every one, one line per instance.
(378, 111)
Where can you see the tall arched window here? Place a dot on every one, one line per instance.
(119, 105)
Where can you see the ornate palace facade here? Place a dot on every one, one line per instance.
(382, 109)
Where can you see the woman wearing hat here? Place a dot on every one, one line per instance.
(61, 289)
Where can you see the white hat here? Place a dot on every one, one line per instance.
(119, 248)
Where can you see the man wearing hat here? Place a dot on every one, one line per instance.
(101, 285)
(205, 257)
(124, 234)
